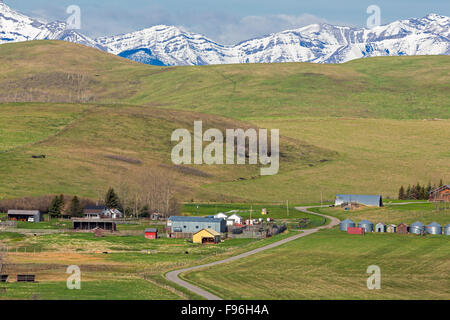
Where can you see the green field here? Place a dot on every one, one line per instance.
(363, 127)
(332, 264)
(345, 128)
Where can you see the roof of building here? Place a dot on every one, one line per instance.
(24, 212)
(194, 219)
(151, 230)
(445, 186)
(365, 222)
(417, 224)
(381, 223)
(434, 224)
(234, 215)
(211, 231)
(92, 207)
(368, 200)
(347, 221)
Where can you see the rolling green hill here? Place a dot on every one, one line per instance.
(357, 127)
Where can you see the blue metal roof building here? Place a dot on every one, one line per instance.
(367, 200)
(195, 224)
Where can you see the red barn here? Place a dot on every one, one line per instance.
(151, 233)
(355, 230)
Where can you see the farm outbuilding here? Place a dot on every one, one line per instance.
(447, 230)
(221, 215)
(188, 224)
(433, 228)
(367, 200)
(206, 236)
(356, 230)
(347, 223)
(441, 194)
(380, 227)
(25, 215)
(392, 228)
(151, 233)
(417, 228)
(91, 224)
(234, 219)
(366, 225)
(402, 228)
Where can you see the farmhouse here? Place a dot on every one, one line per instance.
(206, 236)
(441, 194)
(151, 233)
(190, 225)
(366, 200)
(101, 212)
(25, 215)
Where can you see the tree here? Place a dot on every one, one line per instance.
(401, 193)
(54, 209)
(408, 192)
(75, 209)
(441, 183)
(56, 206)
(112, 200)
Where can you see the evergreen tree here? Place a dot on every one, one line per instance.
(408, 193)
(441, 183)
(423, 193)
(429, 188)
(55, 208)
(112, 200)
(75, 209)
(401, 193)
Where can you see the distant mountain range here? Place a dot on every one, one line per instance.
(318, 43)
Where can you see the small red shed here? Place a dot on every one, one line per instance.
(402, 228)
(151, 233)
(355, 230)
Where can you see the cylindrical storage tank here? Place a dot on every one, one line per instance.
(447, 230)
(417, 228)
(433, 228)
(347, 223)
(366, 225)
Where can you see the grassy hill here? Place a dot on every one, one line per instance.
(356, 127)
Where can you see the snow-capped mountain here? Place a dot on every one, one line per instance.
(319, 43)
(16, 27)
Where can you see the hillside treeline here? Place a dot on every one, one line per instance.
(417, 191)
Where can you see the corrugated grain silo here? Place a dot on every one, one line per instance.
(417, 228)
(347, 223)
(447, 230)
(366, 225)
(433, 228)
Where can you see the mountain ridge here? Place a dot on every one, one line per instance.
(316, 43)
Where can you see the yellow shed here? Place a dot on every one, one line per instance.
(206, 236)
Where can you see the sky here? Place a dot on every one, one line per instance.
(224, 21)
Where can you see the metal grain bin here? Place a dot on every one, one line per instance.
(417, 228)
(433, 228)
(366, 225)
(447, 230)
(346, 224)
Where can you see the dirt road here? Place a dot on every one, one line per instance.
(174, 275)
